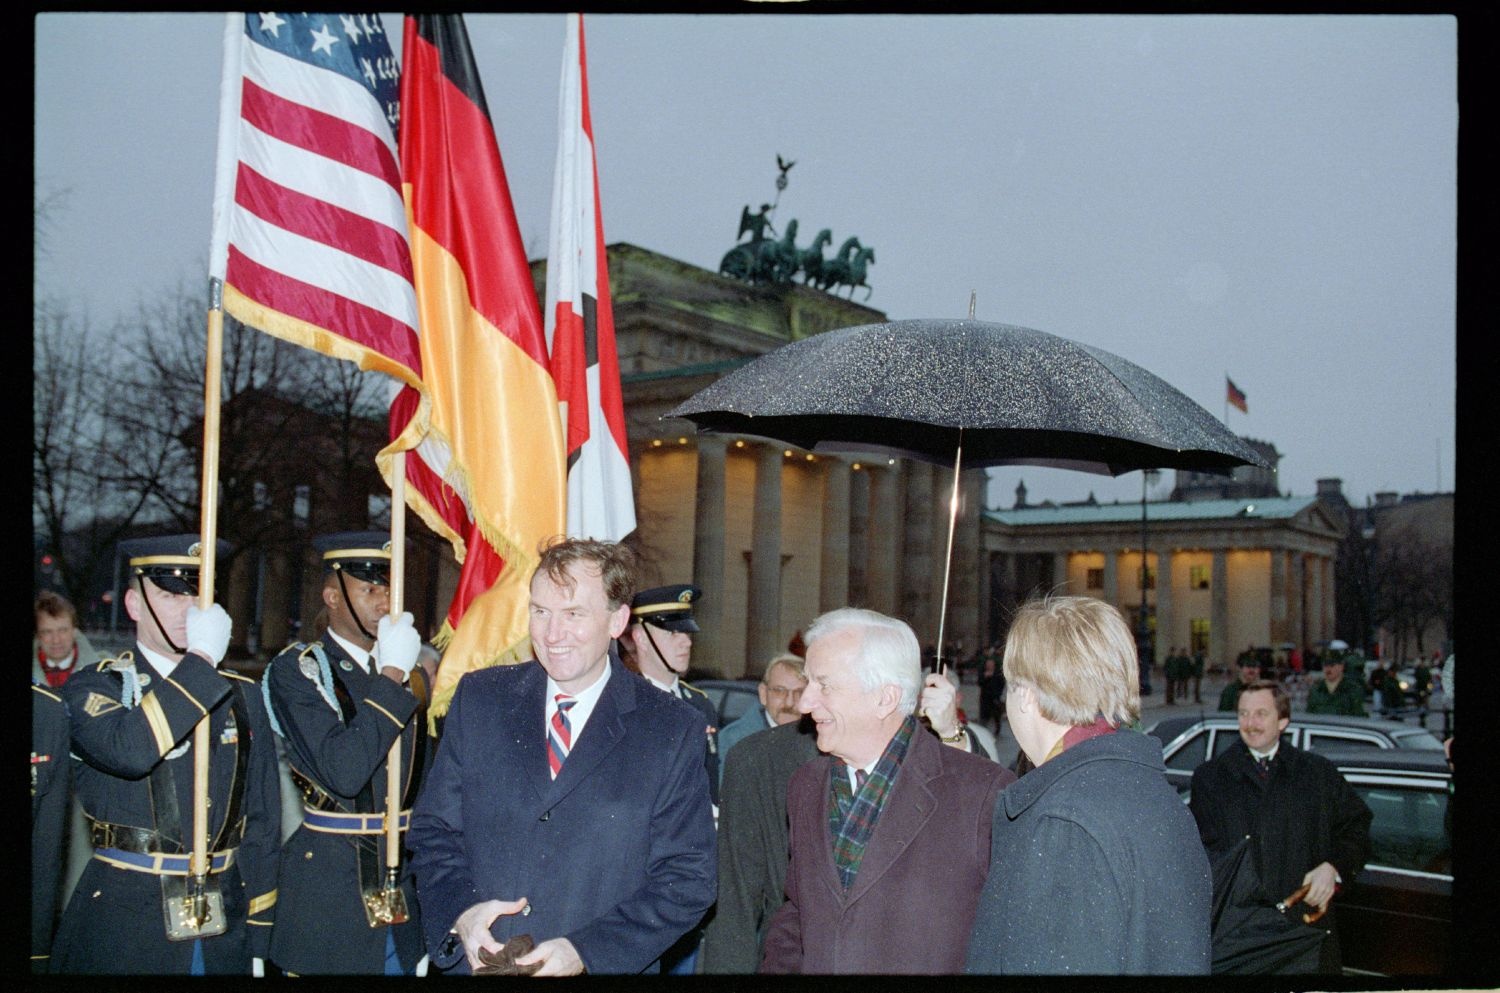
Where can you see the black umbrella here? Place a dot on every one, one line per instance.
(1250, 936)
(1007, 395)
(947, 391)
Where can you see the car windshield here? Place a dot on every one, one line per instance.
(1422, 740)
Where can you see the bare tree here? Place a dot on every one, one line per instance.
(78, 512)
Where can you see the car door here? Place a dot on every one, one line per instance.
(1396, 917)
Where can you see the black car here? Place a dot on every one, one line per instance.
(1190, 740)
(730, 697)
(1396, 917)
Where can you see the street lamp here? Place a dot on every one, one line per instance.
(1143, 643)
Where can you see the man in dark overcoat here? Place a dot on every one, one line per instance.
(889, 829)
(753, 842)
(1305, 822)
(339, 703)
(132, 721)
(568, 800)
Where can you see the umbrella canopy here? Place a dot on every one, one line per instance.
(1009, 395)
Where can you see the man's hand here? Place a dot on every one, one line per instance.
(557, 956)
(473, 927)
(1321, 881)
(397, 645)
(208, 632)
(939, 701)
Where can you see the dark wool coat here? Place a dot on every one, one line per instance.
(1096, 869)
(909, 908)
(1304, 814)
(321, 925)
(114, 923)
(753, 842)
(616, 854)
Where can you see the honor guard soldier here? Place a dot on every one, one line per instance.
(660, 643)
(338, 704)
(49, 807)
(133, 718)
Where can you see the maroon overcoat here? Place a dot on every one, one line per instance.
(911, 906)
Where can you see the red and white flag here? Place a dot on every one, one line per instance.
(580, 321)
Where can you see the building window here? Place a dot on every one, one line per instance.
(1146, 578)
(1198, 577)
(301, 504)
(1094, 579)
(1198, 634)
(378, 509)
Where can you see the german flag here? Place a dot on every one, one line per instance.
(1234, 396)
(495, 434)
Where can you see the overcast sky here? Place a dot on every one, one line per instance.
(1264, 196)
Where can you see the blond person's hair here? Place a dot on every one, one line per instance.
(1078, 656)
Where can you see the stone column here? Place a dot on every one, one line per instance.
(833, 583)
(1060, 583)
(1218, 623)
(1166, 634)
(1330, 597)
(916, 554)
(1313, 570)
(1297, 602)
(1279, 630)
(967, 584)
(1112, 578)
(708, 557)
(885, 539)
(763, 617)
(859, 537)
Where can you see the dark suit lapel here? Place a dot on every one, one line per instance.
(525, 709)
(603, 731)
(908, 808)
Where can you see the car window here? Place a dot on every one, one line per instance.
(1422, 740)
(1191, 754)
(1321, 741)
(736, 703)
(1409, 829)
(1223, 738)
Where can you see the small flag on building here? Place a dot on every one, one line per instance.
(1235, 396)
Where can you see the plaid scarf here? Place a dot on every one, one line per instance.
(852, 816)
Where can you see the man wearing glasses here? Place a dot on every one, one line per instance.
(780, 689)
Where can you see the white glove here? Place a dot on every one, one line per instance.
(258, 968)
(397, 645)
(208, 632)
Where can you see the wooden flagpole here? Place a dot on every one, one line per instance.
(208, 536)
(393, 761)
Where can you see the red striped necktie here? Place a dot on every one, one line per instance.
(560, 737)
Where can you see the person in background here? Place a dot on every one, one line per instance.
(58, 648)
(1249, 672)
(1306, 824)
(1095, 866)
(779, 689)
(49, 807)
(1335, 694)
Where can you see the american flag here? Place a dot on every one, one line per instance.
(310, 234)
(309, 227)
